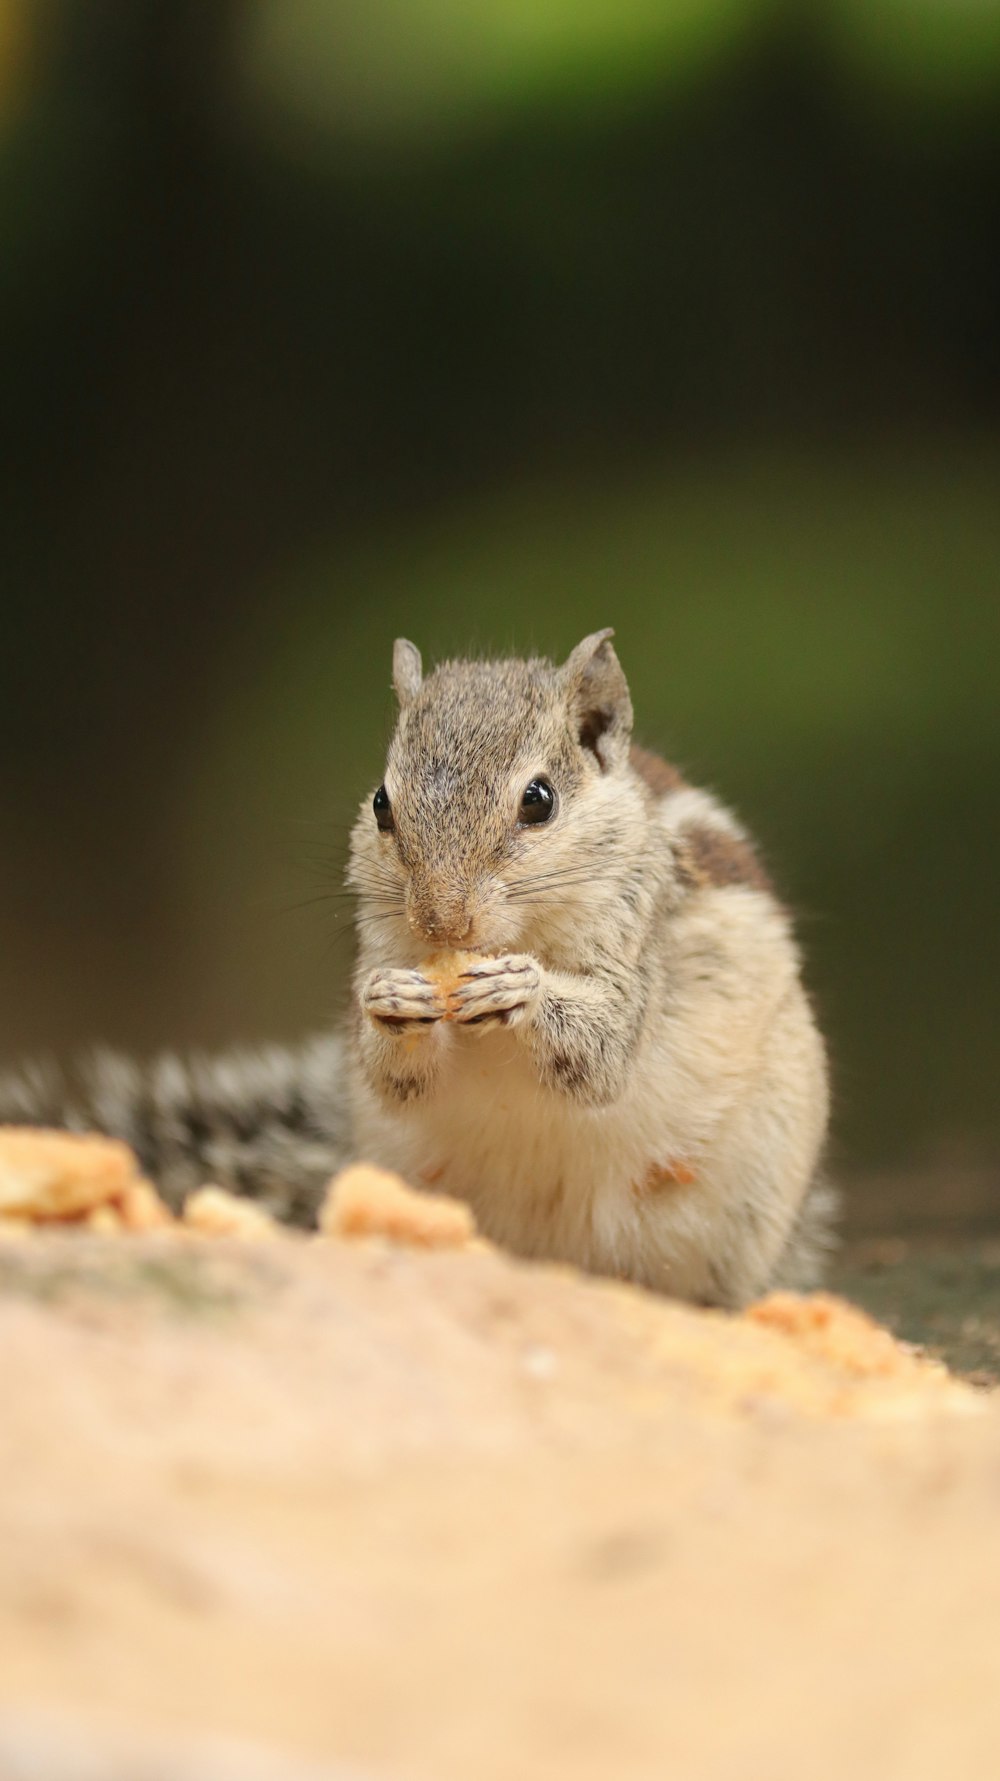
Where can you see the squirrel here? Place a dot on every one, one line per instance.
(623, 1072)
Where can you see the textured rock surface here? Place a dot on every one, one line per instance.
(387, 1513)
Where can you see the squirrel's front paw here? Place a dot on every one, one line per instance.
(497, 992)
(401, 1001)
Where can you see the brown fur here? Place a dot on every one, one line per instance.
(655, 772)
(711, 857)
(707, 856)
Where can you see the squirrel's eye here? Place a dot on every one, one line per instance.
(383, 810)
(538, 801)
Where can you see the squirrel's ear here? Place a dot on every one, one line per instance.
(407, 670)
(599, 698)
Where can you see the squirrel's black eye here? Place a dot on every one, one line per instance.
(538, 801)
(383, 809)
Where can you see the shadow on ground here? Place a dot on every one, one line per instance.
(941, 1293)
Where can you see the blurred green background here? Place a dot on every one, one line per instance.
(492, 324)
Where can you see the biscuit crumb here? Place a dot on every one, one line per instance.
(104, 1221)
(61, 1175)
(215, 1212)
(13, 1230)
(835, 1332)
(141, 1208)
(444, 969)
(364, 1201)
(673, 1173)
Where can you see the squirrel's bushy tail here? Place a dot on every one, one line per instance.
(268, 1123)
(813, 1238)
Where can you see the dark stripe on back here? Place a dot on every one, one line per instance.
(658, 774)
(713, 857)
(706, 856)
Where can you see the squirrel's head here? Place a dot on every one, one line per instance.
(503, 792)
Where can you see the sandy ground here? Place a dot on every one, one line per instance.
(339, 1510)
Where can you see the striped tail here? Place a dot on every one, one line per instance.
(813, 1238)
(270, 1124)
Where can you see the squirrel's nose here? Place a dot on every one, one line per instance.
(440, 930)
(441, 920)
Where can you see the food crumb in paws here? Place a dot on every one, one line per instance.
(365, 1201)
(445, 970)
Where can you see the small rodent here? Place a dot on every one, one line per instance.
(620, 1069)
(626, 1074)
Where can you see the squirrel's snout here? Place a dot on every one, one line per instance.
(444, 920)
(443, 933)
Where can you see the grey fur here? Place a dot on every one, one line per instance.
(813, 1238)
(270, 1123)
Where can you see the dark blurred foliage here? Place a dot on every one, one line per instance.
(707, 349)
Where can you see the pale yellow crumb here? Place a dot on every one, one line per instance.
(56, 1175)
(834, 1331)
(364, 1201)
(215, 1212)
(444, 970)
(141, 1209)
(13, 1229)
(104, 1221)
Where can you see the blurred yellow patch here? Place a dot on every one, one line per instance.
(16, 38)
